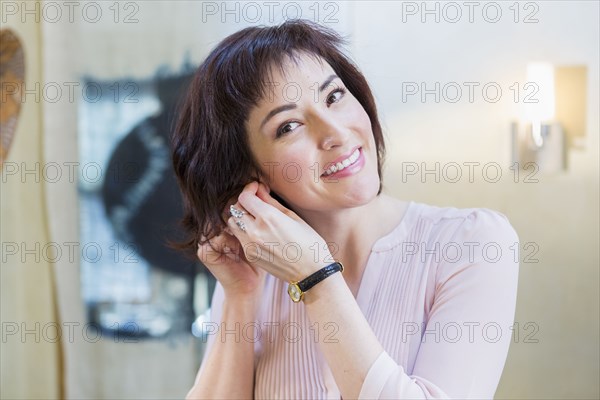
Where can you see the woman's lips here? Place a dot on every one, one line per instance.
(351, 169)
(343, 157)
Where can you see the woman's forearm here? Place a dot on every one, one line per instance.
(355, 347)
(228, 370)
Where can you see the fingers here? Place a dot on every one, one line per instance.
(256, 199)
(239, 220)
(249, 200)
(222, 245)
(264, 195)
(238, 226)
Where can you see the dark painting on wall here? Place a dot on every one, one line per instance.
(140, 287)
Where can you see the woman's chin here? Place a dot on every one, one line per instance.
(365, 197)
(361, 193)
(341, 194)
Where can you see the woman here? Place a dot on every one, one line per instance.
(279, 155)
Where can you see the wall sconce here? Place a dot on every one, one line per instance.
(554, 117)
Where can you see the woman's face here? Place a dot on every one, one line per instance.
(308, 121)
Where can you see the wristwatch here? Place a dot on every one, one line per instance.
(296, 289)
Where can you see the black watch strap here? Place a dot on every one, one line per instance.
(318, 276)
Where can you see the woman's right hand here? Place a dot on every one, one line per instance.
(225, 259)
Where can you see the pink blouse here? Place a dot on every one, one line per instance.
(439, 292)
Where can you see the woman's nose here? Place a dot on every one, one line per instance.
(331, 132)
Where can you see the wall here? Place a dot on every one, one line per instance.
(558, 214)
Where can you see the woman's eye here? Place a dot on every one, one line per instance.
(336, 95)
(286, 128)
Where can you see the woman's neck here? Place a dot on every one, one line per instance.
(351, 232)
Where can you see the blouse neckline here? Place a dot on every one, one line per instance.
(393, 238)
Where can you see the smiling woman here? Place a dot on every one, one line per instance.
(318, 152)
(279, 153)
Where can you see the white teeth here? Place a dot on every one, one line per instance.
(343, 164)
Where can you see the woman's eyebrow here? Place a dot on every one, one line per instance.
(277, 110)
(291, 106)
(329, 79)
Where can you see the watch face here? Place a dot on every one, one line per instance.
(294, 292)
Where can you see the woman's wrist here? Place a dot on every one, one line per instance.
(245, 304)
(324, 289)
(311, 268)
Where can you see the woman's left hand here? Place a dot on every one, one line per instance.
(275, 238)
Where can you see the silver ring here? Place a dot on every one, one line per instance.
(241, 225)
(235, 212)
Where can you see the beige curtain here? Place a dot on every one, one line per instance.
(30, 355)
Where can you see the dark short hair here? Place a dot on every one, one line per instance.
(210, 147)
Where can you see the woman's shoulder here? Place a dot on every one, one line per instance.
(468, 218)
(437, 214)
(424, 222)
(472, 222)
(478, 226)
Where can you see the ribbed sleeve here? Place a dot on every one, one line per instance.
(467, 333)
